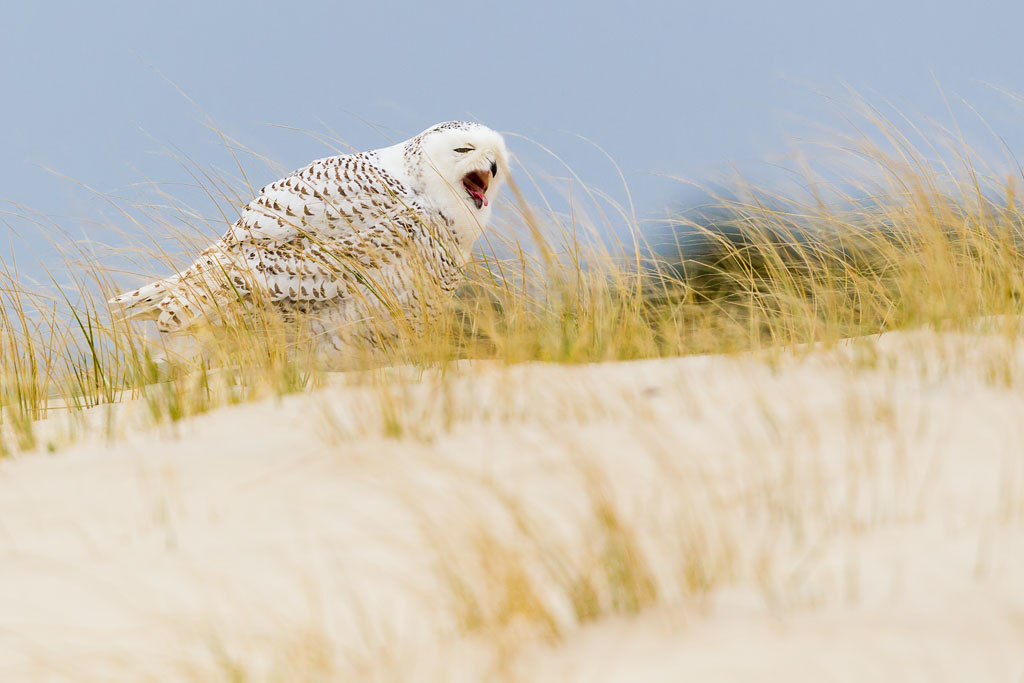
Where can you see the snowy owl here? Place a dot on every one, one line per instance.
(345, 240)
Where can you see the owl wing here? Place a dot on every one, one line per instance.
(325, 232)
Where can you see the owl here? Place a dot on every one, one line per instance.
(352, 244)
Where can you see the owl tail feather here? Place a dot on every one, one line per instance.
(144, 302)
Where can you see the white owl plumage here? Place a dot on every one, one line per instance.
(345, 239)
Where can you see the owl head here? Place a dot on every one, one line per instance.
(467, 162)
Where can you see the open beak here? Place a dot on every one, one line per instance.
(476, 183)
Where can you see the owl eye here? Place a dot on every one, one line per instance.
(463, 150)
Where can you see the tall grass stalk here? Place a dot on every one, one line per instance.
(916, 241)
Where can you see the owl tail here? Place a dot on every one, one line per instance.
(144, 302)
(174, 303)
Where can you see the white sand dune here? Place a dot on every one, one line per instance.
(846, 515)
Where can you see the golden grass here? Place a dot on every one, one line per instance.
(918, 242)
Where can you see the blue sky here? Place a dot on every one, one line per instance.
(683, 88)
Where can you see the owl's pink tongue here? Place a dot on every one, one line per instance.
(480, 197)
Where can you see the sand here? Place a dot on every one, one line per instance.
(831, 515)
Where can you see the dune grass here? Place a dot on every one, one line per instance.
(922, 239)
(918, 241)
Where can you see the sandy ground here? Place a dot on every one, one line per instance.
(845, 515)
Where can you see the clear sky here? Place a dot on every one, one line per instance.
(687, 88)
